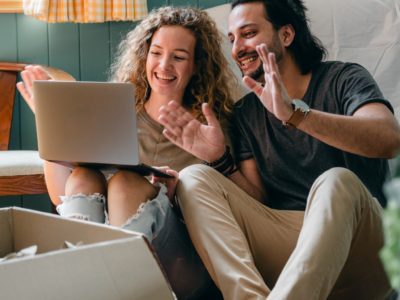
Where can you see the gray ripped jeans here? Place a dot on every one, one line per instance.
(158, 221)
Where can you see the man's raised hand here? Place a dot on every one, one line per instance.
(273, 94)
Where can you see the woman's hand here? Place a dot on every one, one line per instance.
(170, 183)
(205, 141)
(30, 74)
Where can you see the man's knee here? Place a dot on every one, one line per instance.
(194, 180)
(195, 176)
(341, 185)
(339, 175)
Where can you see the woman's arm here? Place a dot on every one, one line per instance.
(371, 132)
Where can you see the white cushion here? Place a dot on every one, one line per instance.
(13, 163)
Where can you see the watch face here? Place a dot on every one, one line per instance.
(300, 105)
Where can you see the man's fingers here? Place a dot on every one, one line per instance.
(253, 85)
(262, 51)
(274, 65)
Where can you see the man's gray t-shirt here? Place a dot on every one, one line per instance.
(290, 160)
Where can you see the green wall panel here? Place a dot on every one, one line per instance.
(94, 51)
(118, 30)
(37, 202)
(63, 40)
(32, 40)
(6, 201)
(151, 4)
(8, 37)
(192, 3)
(210, 3)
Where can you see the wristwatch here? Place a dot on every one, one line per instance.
(300, 111)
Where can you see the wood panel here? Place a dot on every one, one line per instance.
(7, 94)
(18, 185)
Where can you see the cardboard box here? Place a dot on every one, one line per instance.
(112, 263)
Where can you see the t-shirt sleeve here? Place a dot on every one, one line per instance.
(356, 87)
(239, 140)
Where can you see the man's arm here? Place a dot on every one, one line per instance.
(248, 179)
(371, 132)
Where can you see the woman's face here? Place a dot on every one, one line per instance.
(170, 61)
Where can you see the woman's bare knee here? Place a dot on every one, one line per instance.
(86, 181)
(131, 184)
(126, 191)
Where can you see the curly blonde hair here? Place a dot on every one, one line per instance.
(212, 80)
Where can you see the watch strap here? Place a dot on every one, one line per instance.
(296, 118)
(300, 111)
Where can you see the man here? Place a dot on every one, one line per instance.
(295, 140)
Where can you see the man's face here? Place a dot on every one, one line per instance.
(248, 27)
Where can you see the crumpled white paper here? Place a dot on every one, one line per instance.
(26, 252)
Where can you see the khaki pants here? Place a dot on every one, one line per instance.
(254, 252)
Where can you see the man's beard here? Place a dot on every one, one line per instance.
(257, 74)
(274, 47)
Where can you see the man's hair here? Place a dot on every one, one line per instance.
(307, 49)
(212, 79)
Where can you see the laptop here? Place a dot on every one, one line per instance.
(90, 124)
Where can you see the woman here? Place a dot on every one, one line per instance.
(173, 54)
